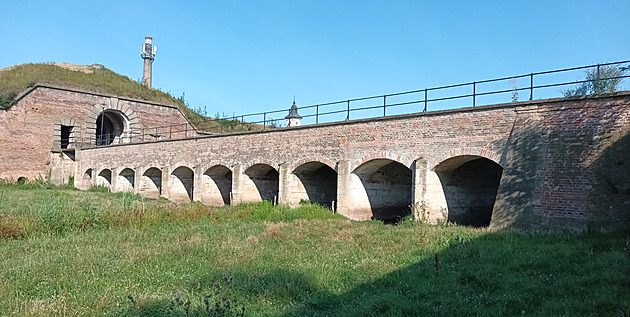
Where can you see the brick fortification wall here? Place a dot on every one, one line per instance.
(567, 165)
(564, 162)
(28, 130)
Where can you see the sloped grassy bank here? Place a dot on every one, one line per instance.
(95, 253)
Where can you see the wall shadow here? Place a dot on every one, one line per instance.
(499, 274)
(387, 186)
(470, 184)
(319, 181)
(610, 195)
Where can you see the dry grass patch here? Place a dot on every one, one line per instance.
(273, 229)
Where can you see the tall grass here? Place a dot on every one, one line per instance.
(173, 260)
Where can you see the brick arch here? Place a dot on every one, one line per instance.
(207, 166)
(381, 155)
(318, 159)
(147, 167)
(180, 164)
(122, 108)
(468, 151)
(266, 162)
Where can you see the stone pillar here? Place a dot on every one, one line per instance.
(418, 188)
(197, 183)
(166, 186)
(114, 184)
(344, 190)
(237, 184)
(284, 184)
(137, 180)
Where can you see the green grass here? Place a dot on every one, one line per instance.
(138, 257)
(102, 80)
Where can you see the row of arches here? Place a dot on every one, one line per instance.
(381, 188)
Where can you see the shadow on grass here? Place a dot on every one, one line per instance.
(499, 274)
(502, 274)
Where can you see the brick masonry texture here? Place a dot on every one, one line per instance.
(551, 152)
(27, 130)
(564, 161)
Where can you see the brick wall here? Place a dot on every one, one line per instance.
(30, 129)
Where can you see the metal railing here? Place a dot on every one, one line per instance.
(541, 85)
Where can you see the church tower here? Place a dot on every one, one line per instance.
(148, 54)
(293, 119)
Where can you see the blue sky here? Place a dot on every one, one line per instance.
(249, 56)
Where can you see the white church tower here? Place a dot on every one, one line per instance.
(293, 119)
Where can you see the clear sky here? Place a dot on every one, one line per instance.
(249, 56)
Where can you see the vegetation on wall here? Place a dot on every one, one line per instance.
(98, 79)
(600, 80)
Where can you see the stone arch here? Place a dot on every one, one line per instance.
(151, 183)
(381, 190)
(117, 117)
(66, 133)
(181, 183)
(314, 181)
(86, 179)
(469, 184)
(260, 182)
(126, 180)
(318, 159)
(216, 185)
(260, 162)
(104, 178)
(484, 152)
(382, 155)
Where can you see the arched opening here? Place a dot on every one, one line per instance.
(217, 186)
(151, 183)
(261, 183)
(22, 180)
(110, 126)
(126, 180)
(317, 182)
(87, 176)
(86, 180)
(181, 184)
(470, 184)
(104, 178)
(381, 190)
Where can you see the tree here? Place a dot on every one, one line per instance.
(599, 80)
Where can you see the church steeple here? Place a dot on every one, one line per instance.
(293, 119)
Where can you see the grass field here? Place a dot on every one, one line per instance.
(71, 253)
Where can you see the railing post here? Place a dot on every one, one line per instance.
(316, 114)
(425, 100)
(474, 93)
(348, 116)
(384, 105)
(531, 86)
(264, 120)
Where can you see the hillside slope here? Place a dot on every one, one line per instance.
(96, 78)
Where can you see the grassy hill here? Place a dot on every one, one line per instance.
(97, 78)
